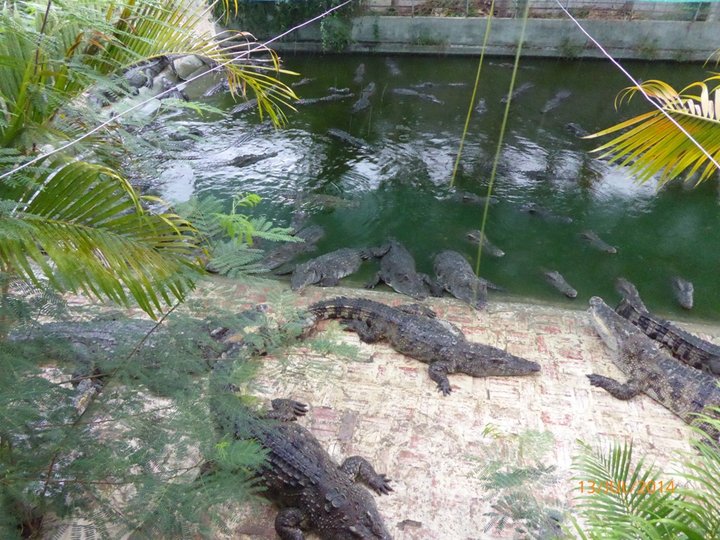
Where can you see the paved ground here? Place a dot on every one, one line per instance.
(441, 451)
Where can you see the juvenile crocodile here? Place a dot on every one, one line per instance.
(397, 270)
(457, 277)
(679, 388)
(327, 270)
(690, 349)
(598, 243)
(414, 331)
(477, 237)
(557, 280)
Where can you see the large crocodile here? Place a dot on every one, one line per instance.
(397, 269)
(327, 270)
(299, 476)
(679, 388)
(457, 277)
(313, 492)
(414, 331)
(690, 349)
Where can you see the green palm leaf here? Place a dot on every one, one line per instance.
(651, 144)
(85, 229)
(618, 507)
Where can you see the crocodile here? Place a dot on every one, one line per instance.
(677, 387)
(557, 280)
(324, 99)
(555, 101)
(359, 74)
(535, 210)
(328, 269)
(415, 93)
(576, 129)
(457, 277)
(397, 270)
(284, 253)
(472, 198)
(313, 493)
(684, 291)
(520, 90)
(393, 68)
(414, 330)
(364, 101)
(477, 237)
(345, 137)
(598, 243)
(692, 350)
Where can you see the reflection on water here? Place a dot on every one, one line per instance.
(395, 181)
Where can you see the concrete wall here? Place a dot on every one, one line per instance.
(649, 40)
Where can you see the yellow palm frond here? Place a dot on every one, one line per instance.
(651, 143)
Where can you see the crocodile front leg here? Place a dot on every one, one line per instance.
(359, 468)
(288, 524)
(615, 388)
(286, 410)
(366, 332)
(438, 372)
(376, 279)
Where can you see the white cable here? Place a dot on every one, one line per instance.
(640, 88)
(97, 128)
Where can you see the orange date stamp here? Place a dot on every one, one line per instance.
(592, 487)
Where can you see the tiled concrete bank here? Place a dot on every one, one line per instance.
(644, 39)
(383, 406)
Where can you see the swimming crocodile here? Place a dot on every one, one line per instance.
(457, 277)
(415, 93)
(327, 270)
(323, 99)
(679, 388)
(472, 198)
(397, 270)
(345, 137)
(536, 210)
(684, 291)
(413, 330)
(598, 243)
(555, 101)
(364, 101)
(518, 91)
(557, 280)
(693, 351)
(475, 236)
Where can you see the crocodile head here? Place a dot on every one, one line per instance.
(613, 329)
(302, 276)
(411, 284)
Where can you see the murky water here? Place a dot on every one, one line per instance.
(396, 182)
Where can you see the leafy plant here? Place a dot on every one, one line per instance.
(229, 237)
(630, 499)
(514, 474)
(335, 33)
(652, 144)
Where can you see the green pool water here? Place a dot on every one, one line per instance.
(398, 183)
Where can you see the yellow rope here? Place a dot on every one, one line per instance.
(474, 94)
(501, 136)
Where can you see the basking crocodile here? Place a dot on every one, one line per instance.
(284, 253)
(557, 280)
(397, 270)
(677, 387)
(414, 331)
(684, 291)
(457, 277)
(312, 491)
(327, 270)
(690, 349)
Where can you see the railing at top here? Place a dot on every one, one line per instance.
(581, 9)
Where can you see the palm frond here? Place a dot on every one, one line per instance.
(234, 260)
(651, 144)
(85, 230)
(613, 499)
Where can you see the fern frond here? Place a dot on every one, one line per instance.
(236, 260)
